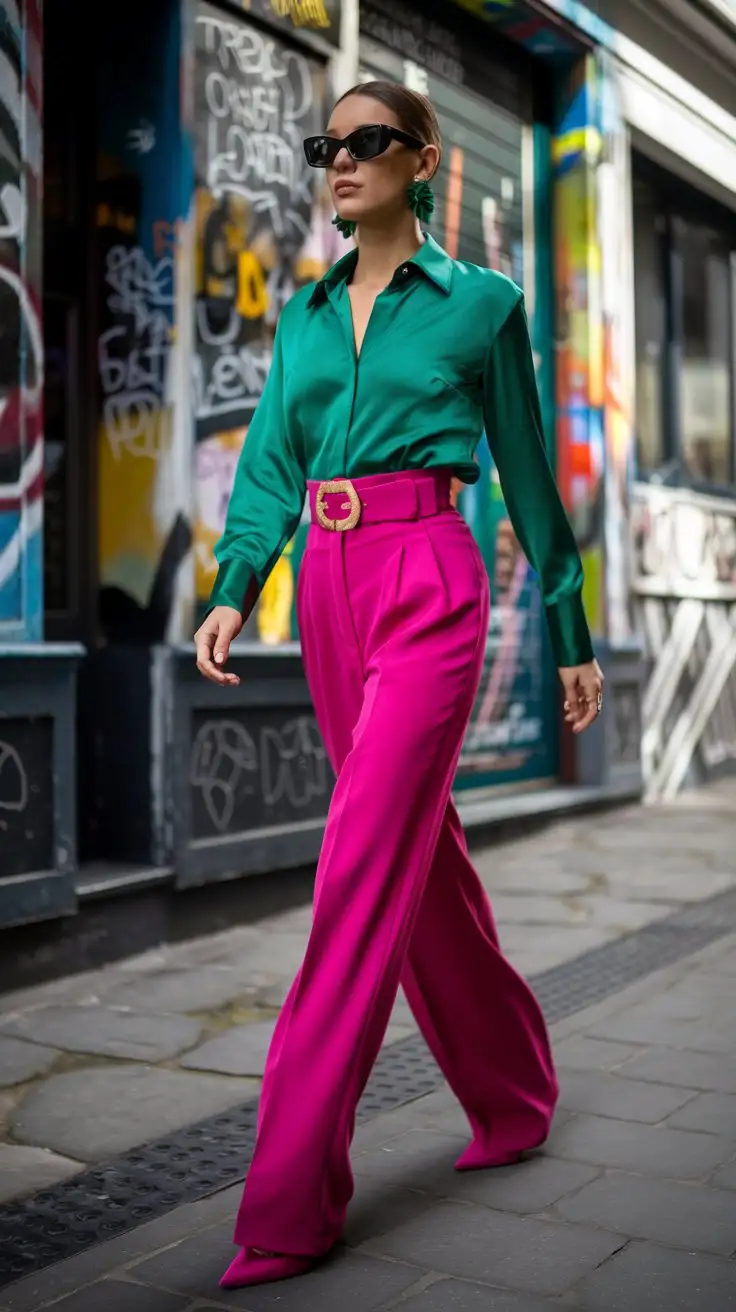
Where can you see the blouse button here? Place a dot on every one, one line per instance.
(405, 272)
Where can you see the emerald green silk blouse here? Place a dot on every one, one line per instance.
(445, 354)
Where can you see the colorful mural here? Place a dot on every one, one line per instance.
(580, 437)
(21, 338)
(143, 184)
(262, 231)
(594, 288)
(615, 210)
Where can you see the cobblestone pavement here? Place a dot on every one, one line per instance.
(631, 1207)
(97, 1064)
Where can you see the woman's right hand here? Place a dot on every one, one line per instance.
(212, 640)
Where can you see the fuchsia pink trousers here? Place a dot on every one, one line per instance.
(393, 617)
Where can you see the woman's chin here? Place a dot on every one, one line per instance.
(350, 213)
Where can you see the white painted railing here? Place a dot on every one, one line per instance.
(684, 580)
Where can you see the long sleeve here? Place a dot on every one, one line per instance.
(266, 500)
(513, 423)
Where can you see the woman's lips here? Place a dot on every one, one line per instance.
(345, 188)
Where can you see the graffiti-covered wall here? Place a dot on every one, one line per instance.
(576, 149)
(594, 342)
(143, 197)
(21, 339)
(262, 231)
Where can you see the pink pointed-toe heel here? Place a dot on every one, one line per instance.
(478, 1158)
(252, 1267)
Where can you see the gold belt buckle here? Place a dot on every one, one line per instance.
(338, 486)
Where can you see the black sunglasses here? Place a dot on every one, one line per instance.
(362, 144)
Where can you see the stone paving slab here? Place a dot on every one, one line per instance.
(203, 990)
(241, 1050)
(714, 1113)
(583, 1054)
(447, 1295)
(606, 1094)
(648, 1150)
(649, 1278)
(95, 1114)
(29, 1170)
(528, 1255)
(683, 1215)
(710, 1072)
(532, 1187)
(121, 1296)
(106, 1031)
(20, 1062)
(726, 1178)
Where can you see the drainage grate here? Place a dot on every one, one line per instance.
(124, 1193)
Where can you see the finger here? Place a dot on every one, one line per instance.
(586, 719)
(205, 641)
(589, 703)
(572, 702)
(222, 644)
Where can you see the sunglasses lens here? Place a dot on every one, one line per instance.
(320, 151)
(366, 143)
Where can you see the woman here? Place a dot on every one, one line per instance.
(383, 375)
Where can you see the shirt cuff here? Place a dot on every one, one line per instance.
(236, 585)
(569, 631)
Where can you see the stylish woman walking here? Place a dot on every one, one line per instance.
(383, 377)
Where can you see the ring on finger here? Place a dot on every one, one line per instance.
(599, 703)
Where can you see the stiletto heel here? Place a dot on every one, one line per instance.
(253, 1268)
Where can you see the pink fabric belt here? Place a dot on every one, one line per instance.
(343, 504)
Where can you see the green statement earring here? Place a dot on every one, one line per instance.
(421, 200)
(345, 226)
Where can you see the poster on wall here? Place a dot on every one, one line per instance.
(263, 230)
(512, 734)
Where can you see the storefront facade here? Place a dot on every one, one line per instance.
(673, 70)
(174, 231)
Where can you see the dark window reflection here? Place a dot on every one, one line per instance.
(651, 328)
(705, 375)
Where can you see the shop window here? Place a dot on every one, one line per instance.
(685, 310)
(651, 326)
(705, 371)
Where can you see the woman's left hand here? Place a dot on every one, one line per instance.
(583, 685)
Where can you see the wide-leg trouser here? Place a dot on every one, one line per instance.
(393, 620)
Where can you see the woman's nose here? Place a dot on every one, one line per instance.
(344, 162)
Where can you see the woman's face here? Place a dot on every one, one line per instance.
(373, 189)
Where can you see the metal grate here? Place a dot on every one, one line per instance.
(128, 1191)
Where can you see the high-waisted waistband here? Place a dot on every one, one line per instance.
(344, 504)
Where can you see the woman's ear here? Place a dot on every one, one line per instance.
(430, 160)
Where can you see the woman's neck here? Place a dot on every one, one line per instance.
(380, 252)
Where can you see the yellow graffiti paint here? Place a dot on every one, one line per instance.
(273, 616)
(303, 13)
(130, 535)
(253, 298)
(592, 558)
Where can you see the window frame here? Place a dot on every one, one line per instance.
(675, 201)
